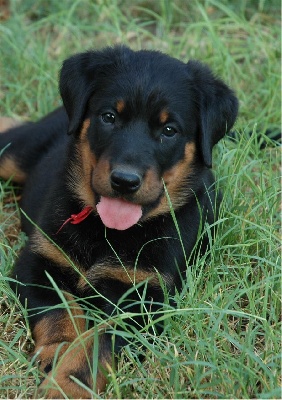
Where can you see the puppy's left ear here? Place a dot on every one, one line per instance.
(218, 108)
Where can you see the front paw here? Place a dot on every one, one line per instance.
(46, 356)
(60, 386)
(68, 373)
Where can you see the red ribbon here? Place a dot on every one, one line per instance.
(77, 218)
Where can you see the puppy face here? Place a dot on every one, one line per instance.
(140, 129)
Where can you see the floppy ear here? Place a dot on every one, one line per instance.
(78, 78)
(218, 108)
(75, 88)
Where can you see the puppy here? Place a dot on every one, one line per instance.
(103, 178)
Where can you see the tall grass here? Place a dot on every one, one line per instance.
(223, 338)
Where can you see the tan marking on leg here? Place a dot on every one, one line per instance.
(8, 123)
(63, 327)
(73, 357)
(41, 245)
(55, 331)
(10, 170)
(76, 360)
(126, 275)
(53, 336)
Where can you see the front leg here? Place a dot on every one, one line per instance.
(63, 342)
(65, 351)
(63, 345)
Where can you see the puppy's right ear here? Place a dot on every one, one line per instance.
(76, 87)
(80, 75)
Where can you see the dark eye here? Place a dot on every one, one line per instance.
(108, 118)
(168, 131)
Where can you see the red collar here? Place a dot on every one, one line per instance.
(77, 218)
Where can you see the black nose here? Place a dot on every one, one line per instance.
(124, 181)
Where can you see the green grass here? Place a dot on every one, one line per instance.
(223, 340)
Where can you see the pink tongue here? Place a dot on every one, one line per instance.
(118, 214)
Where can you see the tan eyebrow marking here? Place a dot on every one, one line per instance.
(120, 106)
(163, 116)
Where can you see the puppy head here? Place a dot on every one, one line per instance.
(141, 119)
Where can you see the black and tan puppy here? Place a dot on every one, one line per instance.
(136, 129)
